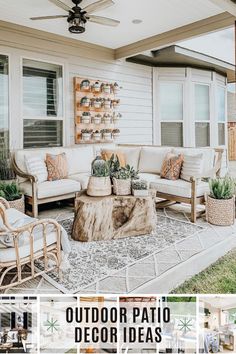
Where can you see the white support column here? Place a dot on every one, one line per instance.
(213, 112)
(156, 115)
(188, 111)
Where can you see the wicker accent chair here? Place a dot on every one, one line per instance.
(36, 240)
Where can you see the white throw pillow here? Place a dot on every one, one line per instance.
(151, 159)
(192, 167)
(36, 166)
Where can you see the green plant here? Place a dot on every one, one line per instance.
(86, 131)
(222, 188)
(119, 172)
(6, 171)
(10, 191)
(100, 168)
(140, 185)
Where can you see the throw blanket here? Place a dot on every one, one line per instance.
(22, 220)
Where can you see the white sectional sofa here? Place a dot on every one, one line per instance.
(147, 159)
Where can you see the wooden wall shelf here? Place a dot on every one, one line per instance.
(80, 109)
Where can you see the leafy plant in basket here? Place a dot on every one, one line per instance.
(12, 193)
(220, 203)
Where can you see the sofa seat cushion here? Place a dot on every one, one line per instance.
(52, 188)
(151, 159)
(82, 178)
(149, 177)
(9, 254)
(179, 188)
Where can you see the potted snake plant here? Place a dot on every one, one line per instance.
(220, 203)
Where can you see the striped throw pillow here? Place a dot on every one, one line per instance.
(36, 166)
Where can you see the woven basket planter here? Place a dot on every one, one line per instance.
(18, 204)
(121, 186)
(220, 212)
(99, 186)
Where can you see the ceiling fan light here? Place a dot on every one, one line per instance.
(76, 26)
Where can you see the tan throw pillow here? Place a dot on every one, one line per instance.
(171, 166)
(107, 154)
(57, 166)
(192, 167)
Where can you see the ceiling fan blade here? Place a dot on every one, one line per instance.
(103, 20)
(61, 5)
(98, 5)
(48, 17)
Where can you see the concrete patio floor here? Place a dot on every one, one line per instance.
(158, 273)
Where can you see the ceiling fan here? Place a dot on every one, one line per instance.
(77, 17)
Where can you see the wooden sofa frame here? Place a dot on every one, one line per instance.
(52, 252)
(167, 198)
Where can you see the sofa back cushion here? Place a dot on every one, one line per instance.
(151, 159)
(208, 158)
(79, 159)
(132, 155)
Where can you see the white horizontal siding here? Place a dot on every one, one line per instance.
(136, 96)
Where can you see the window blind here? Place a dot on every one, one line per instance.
(42, 133)
(202, 134)
(221, 133)
(172, 134)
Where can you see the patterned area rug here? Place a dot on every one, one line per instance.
(93, 261)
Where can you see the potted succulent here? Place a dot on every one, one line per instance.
(12, 193)
(106, 88)
(97, 103)
(140, 188)
(116, 117)
(115, 88)
(115, 133)
(97, 135)
(86, 134)
(85, 102)
(85, 85)
(106, 119)
(115, 103)
(99, 183)
(97, 86)
(106, 133)
(107, 103)
(220, 203)
(86, 118)
(97, 119)
(121, 176)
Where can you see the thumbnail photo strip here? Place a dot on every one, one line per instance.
(118, 324)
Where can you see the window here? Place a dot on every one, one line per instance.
(42, 104)
(4, 114)
(221, 115)
(202, 115)
(171, 113)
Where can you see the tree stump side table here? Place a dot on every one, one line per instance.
(112, 217)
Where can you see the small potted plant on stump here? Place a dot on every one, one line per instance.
(122, 177)
(220, 204)
(99, 184)
(140, 188)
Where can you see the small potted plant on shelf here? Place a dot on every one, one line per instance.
(85, 102)
(220, 203)
(99, 183)
(85, 85)
(115, 133)
(97, 135)
(106, 118)
(86, 134)
(97, 87)
(140, 188)
(106, 88)
(12, 193)
(86, 118)
(106, 133)
(116, 117)
(97, 119)
(107, 103)
(97, 103)
(115, 88)
(115, 103)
